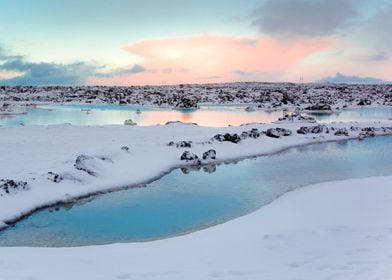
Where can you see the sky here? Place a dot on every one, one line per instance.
(145, 42)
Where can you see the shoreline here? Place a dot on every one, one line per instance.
(335, 238)
(74, 200)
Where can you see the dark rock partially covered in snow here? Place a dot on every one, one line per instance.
(313, 129)
(370, 130)
(319, 129)
(366, 132)
(80, 164)
(188, 156)
(364, 101)
(272, 132)
(303, 130)
(284, 131)
(219, 137)
(210, 154)
(89, 164)
(234, 138)
(129, 122)
(10, 186)
(319, 107)
(341, 132)
(54, 177)
(125, 148)
(184, 144)
(253, 133)
(354, 128)
(277, 132)
(296, 118)
(179, 122)
(185, 102)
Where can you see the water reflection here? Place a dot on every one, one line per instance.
(359, 114)
(113, 114)
(214, 116)
(210, 168)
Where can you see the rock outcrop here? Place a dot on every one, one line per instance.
(8, 186)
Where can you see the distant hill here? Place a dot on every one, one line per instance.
(343, 79)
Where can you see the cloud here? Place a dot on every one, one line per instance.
(375, 57)
(343, 79)
(47, 73)
(215, 77)
(303, 17)
(381, 56)
(118, 72)
(42, 73)
(242, 73)
(214, 56)
(17, 70)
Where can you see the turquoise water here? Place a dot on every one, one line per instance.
(186, 200)
(215, 116)
(360, 114)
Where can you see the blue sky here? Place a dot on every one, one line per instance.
(102, 42)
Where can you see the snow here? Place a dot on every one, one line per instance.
(43, 149)
(332, 230)
(261, 95)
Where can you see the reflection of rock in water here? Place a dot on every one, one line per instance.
(189, 169)
(64, 206)
(231, 162)
(186, 117)
(211, 168)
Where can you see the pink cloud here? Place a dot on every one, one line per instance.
(215, 58)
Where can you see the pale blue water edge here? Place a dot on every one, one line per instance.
(182, 202)
(207, 115)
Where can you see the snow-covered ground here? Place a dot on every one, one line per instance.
(337, 230)
(49, 164)
(334, 230)
(263, 95)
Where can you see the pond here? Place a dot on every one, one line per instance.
(213, 116)
(359, 114)
(189, 200)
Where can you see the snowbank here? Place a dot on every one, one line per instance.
(333, 230)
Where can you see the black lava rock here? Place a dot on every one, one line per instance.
(54, 177)
(210, 154)
(6, 186)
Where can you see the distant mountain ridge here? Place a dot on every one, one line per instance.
(340, 78)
